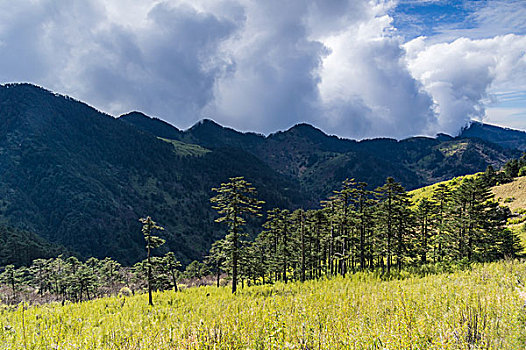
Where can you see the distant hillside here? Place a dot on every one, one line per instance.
(507, 138)
(426, 192)
(21, 247)
(320, 162)
(513, 194)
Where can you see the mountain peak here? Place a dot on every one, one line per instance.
(306, 129)
(209, 133)
(444, 137)
(135, 114)
(206, 123)
(22, 88)
(22, 85)
(152, 125)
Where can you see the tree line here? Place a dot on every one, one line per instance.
(359, 229)
(68, 278)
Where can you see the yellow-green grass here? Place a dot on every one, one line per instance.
(512, 194)
(478, 309)
(427, 191)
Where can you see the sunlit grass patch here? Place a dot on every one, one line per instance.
(481, 308)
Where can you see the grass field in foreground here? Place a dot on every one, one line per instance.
(482, 308)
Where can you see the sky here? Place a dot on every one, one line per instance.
(353, 68)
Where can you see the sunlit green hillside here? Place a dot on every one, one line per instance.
(511, 194)
(186, 149)
(478, 309)
(427, 191)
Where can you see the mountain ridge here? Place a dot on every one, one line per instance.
(505, 137)
(288, 152)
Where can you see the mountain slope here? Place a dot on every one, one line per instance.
(512, 194)
(83, 179)
(21, 247)
(154, 126)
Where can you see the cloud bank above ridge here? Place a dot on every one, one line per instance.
(265, 66)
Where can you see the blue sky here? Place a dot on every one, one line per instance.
(426, 18)
(354, 68)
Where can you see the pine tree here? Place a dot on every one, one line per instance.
(424, 216)
(171, 265)
(343, 214)
(284, 242)
(442, 199)
(393, 216)
(235, 200)
(152, 242)
(319, 229)
(298, 219)
(270, 238)
(216, 258)
(40, 270)
(11, 276)
(476, 220)
(364, 205)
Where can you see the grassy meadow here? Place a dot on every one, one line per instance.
(482, 308)
(427, 191)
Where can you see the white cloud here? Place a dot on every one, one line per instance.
(487, 19)
(346, 75)
(463, 74)
(151, 56)
(269, 81)
(366, 87)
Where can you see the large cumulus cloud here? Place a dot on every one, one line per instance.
(254, 65)
(365, 86)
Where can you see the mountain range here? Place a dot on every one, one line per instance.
(77, 180)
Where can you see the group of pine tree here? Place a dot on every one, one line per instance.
(355, 229)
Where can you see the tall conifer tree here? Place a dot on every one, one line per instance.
(235, 200)
(152, 242)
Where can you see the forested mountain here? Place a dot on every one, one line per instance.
(320, 162)
(80, 178)
(507, 138)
